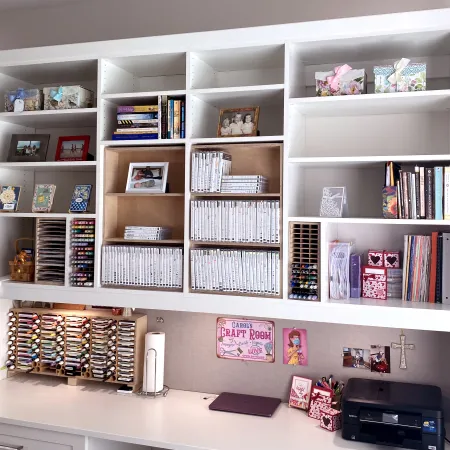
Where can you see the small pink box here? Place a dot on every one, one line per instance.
(374, 282)
(391, 260)
(330, 418)
(375, 258)
(319, 397)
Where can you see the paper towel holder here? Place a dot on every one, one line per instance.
(165, 390)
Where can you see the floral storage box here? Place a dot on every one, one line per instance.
(68, 97)
(343, 80)
(401, 77)
(23, 100)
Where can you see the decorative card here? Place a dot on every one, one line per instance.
(9, 198)
(333, 201)
(247, 340)
(319, 397)
(295, 347)
(80, 198)
(43, 197)
(300, 393)
(390, 209)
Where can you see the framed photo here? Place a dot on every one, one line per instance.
(147, 177)
(238, 122)
(300, 393)
(72, 148)
(80, 198)
(28, 147)
(43, 197)
(9, 198)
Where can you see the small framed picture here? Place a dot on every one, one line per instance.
(72, 148)
(43, 197)
(9, 198)
(28, 147)
(80, 198)
(147, 177)
(238, 122)
(300, 393)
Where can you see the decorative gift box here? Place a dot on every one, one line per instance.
(342, 81)
(391, 259)
(401, 77)
(319, 397)
(23, 100)
(330, 418)
(68, 97)
(375, 258)
(374, 282)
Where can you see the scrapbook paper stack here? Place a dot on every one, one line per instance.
(244, 184)
(133, 233)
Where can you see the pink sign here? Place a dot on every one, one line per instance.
(247, 340)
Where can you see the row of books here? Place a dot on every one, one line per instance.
(166, 120)
(146, 233)
(235, 221)
(426, 267)
(142, 266)
(422, 194)
(243, 271)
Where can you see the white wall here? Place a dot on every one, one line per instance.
(94, 20)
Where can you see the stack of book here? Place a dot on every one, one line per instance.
(208, 170)
(420, 194)
(146, 233)
(166, 120)
(235, 221)
(244, 184)
(394, 283)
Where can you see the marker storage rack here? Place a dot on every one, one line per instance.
(82, 256)
(304, 261)
(88, 345)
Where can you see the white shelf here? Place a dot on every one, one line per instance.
(143, 143)
(60, 118)
(238, 140)
(45, 166)
(372, 104)
(369, 221)
(47, 215)
(364, 161)
(137, 96)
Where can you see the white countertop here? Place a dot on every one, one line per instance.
(181, 421)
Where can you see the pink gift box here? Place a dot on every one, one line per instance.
(330, 418)
(319, 397)
(374, 282)
(375, 258)
(391, 260)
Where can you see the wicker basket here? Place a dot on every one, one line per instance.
(21, 271)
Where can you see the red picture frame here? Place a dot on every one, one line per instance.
(72, 148)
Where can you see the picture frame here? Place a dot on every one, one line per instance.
(9, 198)
(238, 122)
(147, 177)
(28, 147)
(43, 198)
(72, 148)
(300, 395)
(80, 198)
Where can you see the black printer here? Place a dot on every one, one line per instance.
(396, 414)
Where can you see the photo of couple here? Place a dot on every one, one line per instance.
(238, 122)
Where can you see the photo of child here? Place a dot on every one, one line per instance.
(28, 148)
(147, 177)
(357, 358)
(380, 359)
(295, 347)
(238, 122)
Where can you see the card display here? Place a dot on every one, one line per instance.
(80, 198)
(9, 198)
(82, 257)
(43, 197)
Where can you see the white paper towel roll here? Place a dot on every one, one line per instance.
(157, 341)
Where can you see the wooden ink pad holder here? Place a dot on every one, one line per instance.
(117, 333)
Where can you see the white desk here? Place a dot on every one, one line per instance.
(181, 421)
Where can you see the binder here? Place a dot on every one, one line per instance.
(445, 268)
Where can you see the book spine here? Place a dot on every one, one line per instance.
(137, 109)
(138, 130)
(412, 252)
(170, 120)
(176, 119)
(429, 213)
(159, 119)
(399, 200)
(124, 137)
(406, 194)
(447, 193)
(439, 269)
(138, 117)
(183, 121)
(417, 191)
(433, 268)
(422, 191)
(163, 116)
(412, 195)
(438, 192)
(405, 266)
(400, 194)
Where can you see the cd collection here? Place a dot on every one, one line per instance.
(142, 266)
(146, 233)
(244, 271)
(208, 168)
(235, 221)
(244, 184)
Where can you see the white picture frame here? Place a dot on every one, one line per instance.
(147, 177)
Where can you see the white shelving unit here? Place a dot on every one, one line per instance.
(327, 141)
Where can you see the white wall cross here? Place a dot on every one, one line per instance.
(403, 346)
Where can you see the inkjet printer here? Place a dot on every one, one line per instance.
(396, 414)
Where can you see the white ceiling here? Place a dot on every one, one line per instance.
(6, 5)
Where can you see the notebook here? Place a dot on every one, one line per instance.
(245, 404)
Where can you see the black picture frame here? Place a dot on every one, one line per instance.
(41, 155)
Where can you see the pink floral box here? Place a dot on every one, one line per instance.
(352, 82)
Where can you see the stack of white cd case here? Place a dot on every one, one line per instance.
(142, 266)
(243, 271)
(146, 233)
